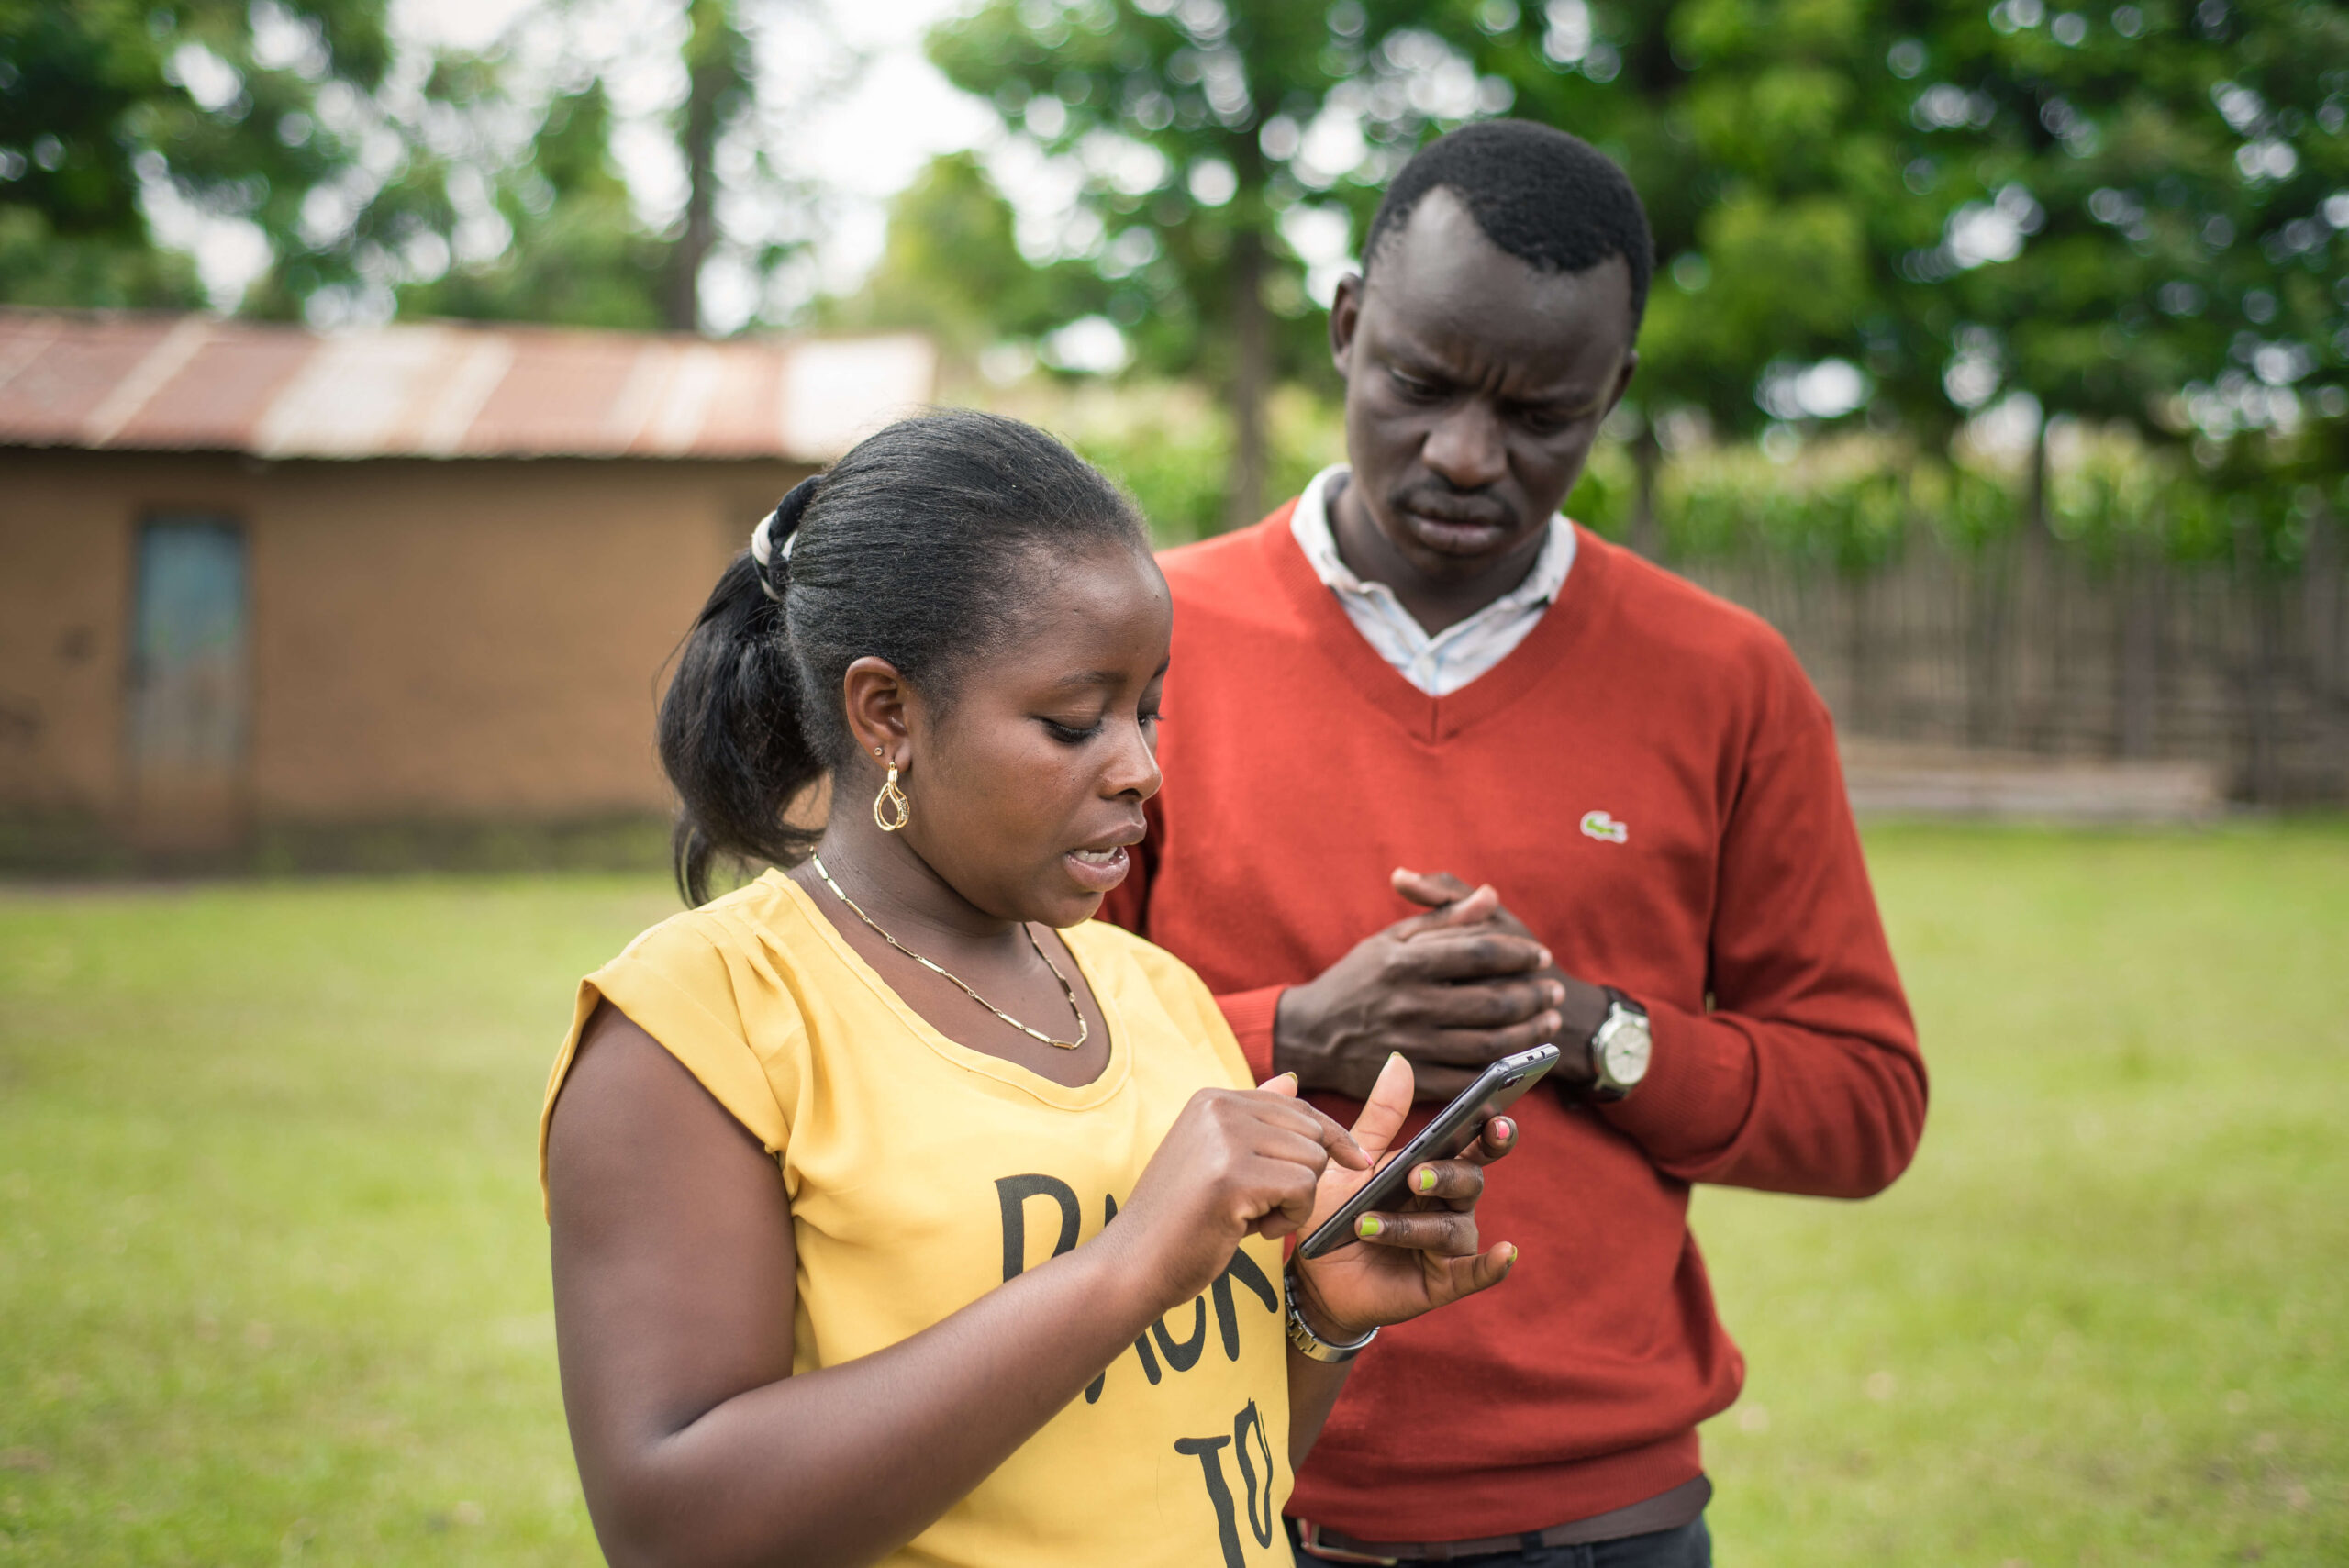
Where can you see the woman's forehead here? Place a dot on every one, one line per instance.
(1098, 619)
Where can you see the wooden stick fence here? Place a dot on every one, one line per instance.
(2029, 646)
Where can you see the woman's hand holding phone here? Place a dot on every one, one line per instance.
(1237, 1162)
(1412, 1260)
(1263, 1162)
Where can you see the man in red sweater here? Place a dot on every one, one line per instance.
(1617, 801)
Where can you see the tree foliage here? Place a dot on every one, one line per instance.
(2139, 215)
(110, 109)
(363, 172)
(1894, 212)
(579, 246)
(577, 254)
(1890, 210)
(951, 266)
(1202, 131)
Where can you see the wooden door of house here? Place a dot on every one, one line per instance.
(189, 685)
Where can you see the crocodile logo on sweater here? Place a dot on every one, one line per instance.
(1600, 826)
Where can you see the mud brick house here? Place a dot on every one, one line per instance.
(254, 578)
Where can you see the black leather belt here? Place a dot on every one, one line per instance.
(1666, 1510)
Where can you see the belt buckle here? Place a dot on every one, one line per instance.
(1311, 1536)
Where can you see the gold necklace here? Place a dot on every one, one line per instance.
(1083, 1025)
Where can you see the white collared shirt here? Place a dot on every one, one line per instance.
(1442, 663)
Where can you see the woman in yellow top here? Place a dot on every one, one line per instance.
(901, 1212)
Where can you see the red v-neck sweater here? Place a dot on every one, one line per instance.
(1651, 784)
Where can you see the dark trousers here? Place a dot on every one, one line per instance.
(1690, 1546)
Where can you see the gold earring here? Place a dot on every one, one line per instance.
(895, 799)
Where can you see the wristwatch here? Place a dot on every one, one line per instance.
(1620, 1047)
(1312, 1345)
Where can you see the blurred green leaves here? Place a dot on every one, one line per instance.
(116, 113)
(1894, 216)
(1853, 503)
(952, 267)
(2130, 214)
(578, 255)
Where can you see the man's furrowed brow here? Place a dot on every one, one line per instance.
(1399, 348)
(1402, 349)
(1564, 394)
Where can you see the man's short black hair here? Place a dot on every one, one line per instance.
(1549, 199)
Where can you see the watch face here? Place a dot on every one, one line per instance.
(1627, 1052)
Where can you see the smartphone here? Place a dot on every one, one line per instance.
(1454, 1127)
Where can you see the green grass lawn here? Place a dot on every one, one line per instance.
(272, 1279)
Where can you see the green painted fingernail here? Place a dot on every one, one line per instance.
(1370, 1225)
(1427, 1181)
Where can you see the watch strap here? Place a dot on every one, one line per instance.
(1312, 1346)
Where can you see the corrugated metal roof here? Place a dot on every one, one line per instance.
(160, 382)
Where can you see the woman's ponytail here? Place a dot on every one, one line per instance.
(734, 733)
(925, 545)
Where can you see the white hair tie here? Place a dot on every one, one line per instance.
(762, 552)
(762, 549)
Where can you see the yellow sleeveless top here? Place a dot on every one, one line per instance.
(922, 1174)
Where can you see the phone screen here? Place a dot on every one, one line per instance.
(1452, 1131)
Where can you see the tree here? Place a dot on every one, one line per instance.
(576, 246)
(952, 267)
(717, 91)
(1209, 134)
(577, 255)
(2143, 211)
(111, 110)
(362, 176)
